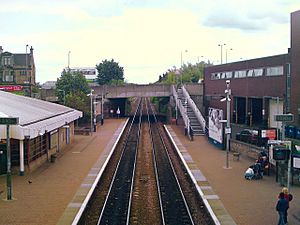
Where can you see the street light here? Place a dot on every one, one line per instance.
(69, 60)
(181, 64)
(26, 69)
(226, 53)
(91, 97)
(221, 45)
(227, 129)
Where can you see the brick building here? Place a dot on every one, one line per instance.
(260, 88)
(17, 71)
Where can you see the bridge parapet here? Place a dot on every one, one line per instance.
(133, 90)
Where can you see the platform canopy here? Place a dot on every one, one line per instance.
(36, 117)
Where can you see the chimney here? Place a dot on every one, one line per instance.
(31, 50)
(1, 50)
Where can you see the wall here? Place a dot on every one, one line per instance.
(245, 149)
(295, 68)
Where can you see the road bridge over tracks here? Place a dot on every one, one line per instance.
(133, 90)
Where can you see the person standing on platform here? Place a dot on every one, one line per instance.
(288, 197)
(281, 208)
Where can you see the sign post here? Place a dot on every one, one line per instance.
(8, 121)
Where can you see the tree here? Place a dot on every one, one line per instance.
(71, 84)
(109, 71)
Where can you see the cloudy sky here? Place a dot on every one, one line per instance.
(146, 37)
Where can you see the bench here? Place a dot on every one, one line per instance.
(236, 156)
(82, 131)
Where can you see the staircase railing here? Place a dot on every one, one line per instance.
(193, 106)
(182, 109)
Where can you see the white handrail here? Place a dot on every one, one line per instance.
(182, 109)
(195, 109)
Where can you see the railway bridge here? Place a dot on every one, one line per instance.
(186, 100)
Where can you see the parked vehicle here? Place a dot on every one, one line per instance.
(248, 136)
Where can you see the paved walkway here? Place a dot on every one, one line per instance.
(248, 202)
(54, 185)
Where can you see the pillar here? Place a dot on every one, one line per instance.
(21, 143)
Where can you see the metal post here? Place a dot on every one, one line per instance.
(102, 111)
(228, 131)
(69, 60)
(8, 174)
(176, 113)
(289, 169)
(181, 68)
(91, 97)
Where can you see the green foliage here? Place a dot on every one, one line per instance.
(71, 84)
(78, 100)
(188, 74)
(161, 104)
(109, 71)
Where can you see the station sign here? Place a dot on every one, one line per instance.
(284, 117)
(9, 120)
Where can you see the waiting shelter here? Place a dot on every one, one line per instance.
(43, 130)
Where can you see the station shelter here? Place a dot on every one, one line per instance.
(44, 129)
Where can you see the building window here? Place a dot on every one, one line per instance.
(240, 74)
(258, 72)
(8, 77)
(6, 61)
(250, 73)
(228, 75)
(274, 71)
(215, 76)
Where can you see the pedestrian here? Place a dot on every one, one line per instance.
(288, 197)
(249, 174)
(281, 208)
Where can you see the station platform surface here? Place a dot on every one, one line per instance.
(247, 202)
(42, 196)
(56, 189)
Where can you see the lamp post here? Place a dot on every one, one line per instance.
(26, 69)
(227, 51)
(181, 64)
(221, 45)
(91, 98)
(69, 60)
(227, 129)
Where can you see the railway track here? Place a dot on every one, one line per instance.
(140, 185)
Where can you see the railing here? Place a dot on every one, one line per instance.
(182, 109)
(195, 109)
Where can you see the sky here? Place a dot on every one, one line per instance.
(146, 37)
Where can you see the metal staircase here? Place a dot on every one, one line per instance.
(193, 117)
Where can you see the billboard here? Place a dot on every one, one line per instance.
(90, 73)
(215, 127)
(11, 88)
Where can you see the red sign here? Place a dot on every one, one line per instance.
(11, 88)
(270, 134)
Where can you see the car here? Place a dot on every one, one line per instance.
(248, 136)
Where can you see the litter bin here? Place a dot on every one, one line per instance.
(53, 158)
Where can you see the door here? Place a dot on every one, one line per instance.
(3, 159)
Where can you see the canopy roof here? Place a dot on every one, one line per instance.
(35, 116)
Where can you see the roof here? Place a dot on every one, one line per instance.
(35, 116)
(20, 59)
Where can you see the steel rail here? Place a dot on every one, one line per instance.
(102, 219)
(134, 167)
(155, 166)
(176, 179)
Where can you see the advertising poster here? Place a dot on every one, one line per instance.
(214, 125)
